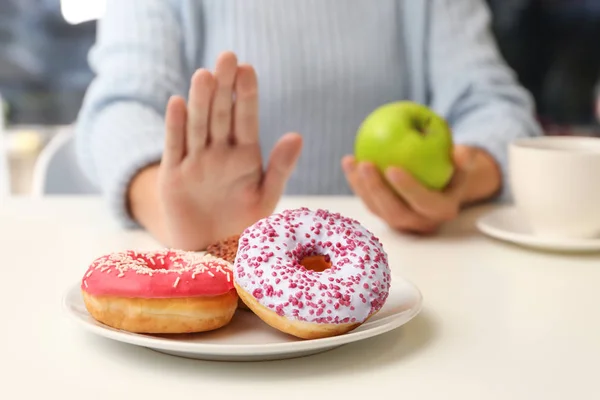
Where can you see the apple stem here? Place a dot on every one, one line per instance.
(423, 127)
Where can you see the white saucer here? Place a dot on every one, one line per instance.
(247, 338)
(508, 225)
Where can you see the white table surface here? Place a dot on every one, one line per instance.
(499, 321)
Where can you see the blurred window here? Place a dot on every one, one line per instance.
(44, 46)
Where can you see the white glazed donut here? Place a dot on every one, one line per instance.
(270, 276)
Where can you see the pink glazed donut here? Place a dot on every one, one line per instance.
(311, 274)
(166, 291)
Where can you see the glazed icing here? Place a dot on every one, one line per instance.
(158, 274)
(267, 266)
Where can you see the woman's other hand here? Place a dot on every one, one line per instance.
(408, 206)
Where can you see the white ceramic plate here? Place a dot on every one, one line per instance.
(508, 225)
(247, 338)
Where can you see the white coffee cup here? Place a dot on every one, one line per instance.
(555, 181)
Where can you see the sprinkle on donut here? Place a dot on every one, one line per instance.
(158, 274)
(269, 266)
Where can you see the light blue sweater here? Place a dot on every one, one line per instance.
(323, 65)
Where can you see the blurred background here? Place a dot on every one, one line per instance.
(553, 45)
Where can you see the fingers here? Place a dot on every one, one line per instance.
(200, 96)
(175, 138)
(435, 205)
(432, 204)
(281, 164)
(366, 181)
(246, 106)
(220, 117)
(355, 182)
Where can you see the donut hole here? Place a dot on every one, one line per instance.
(317, 262)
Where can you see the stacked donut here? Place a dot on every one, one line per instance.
(311, 274)
(225, 249)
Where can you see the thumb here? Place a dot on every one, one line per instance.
(283, 159)
(464, 157)
(464, 160)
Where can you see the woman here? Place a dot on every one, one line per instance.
(160, 133)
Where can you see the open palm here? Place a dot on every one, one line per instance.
(211, 180)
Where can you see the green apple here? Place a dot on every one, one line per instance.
(410, 136)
